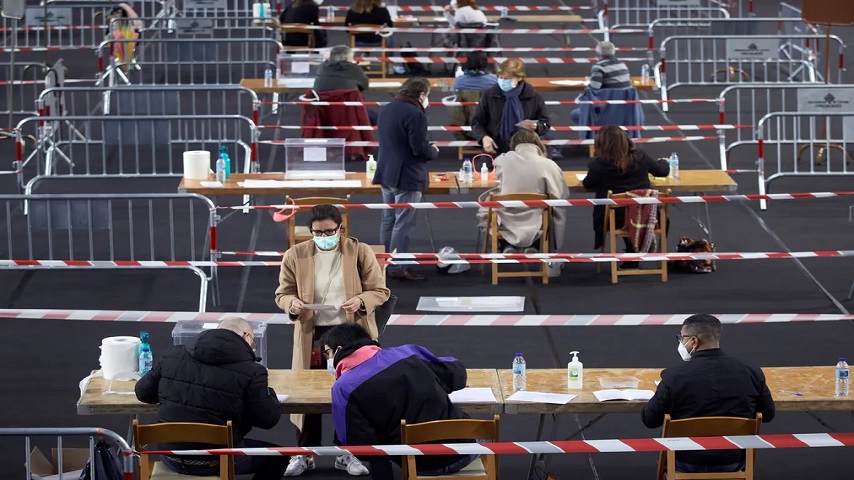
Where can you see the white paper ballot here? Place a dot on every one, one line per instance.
(314, 154)
(385, 84)
(299, 67)
(209, 325)
(580, 176)
(296, 82)
(627, 394)
(569, 83)
(300, 184)
(211, 184)
(473, 395)
(319, 307)
(282, 398)
(541, 397)
(657, 382)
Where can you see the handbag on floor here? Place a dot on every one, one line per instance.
(688, 245)
(106, 462)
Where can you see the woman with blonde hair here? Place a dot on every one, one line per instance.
(508, 106)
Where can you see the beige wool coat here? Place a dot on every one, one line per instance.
(362, 275)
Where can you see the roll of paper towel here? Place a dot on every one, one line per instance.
(197, 164)
(120, 357)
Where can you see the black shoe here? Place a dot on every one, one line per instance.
(628, 265)
(407, 275)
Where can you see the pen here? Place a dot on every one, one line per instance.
(797, 394)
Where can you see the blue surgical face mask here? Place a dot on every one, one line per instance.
(330, 366)
(326, 243)
(506, 84)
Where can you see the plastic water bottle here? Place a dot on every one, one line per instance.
(674, 165)
(458, 72)
(223, 154)
(842, 378)
(220, 170)
(505, 12)
(330, 14)
(268, 77)
(520, 381)
(146, 358)
(468, 171)
(644, 74)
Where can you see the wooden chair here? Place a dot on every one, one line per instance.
(613, 232)
(707, 427)
(380, 249)
(492, 235)
(216, 435)
(468, 429)
(297, 28)
(301, 233)
(383, 69)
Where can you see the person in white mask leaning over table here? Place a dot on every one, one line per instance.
(329, 280)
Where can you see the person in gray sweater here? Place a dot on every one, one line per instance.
(340, 72)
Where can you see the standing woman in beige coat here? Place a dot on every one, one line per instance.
(334, 270)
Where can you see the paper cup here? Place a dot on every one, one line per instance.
(197, 164)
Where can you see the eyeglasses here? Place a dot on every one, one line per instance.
(326, 353)
(325, 233)
(679, 336)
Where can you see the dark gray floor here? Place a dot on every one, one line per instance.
(43, 360)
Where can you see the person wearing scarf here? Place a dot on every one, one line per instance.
(511, 104)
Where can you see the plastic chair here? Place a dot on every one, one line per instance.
(439, 430)
(301, 233)
(707, 427)
(613, 232)
(382, 71)
(177, 432)
(490, 241)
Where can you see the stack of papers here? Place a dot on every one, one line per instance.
(540, 397)
(374, 84)
(296, 82)
(628, 394)
(473, 395)
(569, 83)
(301, 184)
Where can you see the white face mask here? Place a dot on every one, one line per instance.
(684, 353)
(425, 102)
(330, 366)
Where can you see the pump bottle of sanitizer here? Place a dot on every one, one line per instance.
(574, 372)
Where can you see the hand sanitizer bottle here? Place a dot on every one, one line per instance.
(574, 372)
(223, 154)
(370, 168)
(484, 173)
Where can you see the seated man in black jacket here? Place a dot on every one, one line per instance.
(376, 388)
(340, 72)
(213, 380)
(709, 384)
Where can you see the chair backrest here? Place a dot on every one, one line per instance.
(381, 39)
(292, 223)
(180, 432)
(439, 430)
(298, 28)
(475, 40)
(663, 209)
(708, 427)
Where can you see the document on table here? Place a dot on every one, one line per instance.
(473, 395)
(541, 397)
(319, 307)
(384, 84)
(300, 183)
(657, 382)
(569, 83)
(211, 184)
(627, 394)
(282, 398)
(580, 176)
(296, 82)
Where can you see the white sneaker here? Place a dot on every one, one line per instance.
(299, 464)
(351, 465)
(554, 269)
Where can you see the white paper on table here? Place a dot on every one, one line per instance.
(473, 395)
(319, 307)
(392, 12)
(569, 83)
(282, 398)
(211, 184)
(300, 183)
(657, 382)
(384, 84)
(296, 82)
(314, 154)
(299, 67)
(580, 176)
(209, 325)
(440, 19)
(627, 394)
(542, 397)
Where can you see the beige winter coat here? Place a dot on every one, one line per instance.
(362, 276)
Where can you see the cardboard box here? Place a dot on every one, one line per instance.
(73, 461)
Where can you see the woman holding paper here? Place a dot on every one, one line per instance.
(326, 281)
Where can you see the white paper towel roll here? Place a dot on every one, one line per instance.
(120, 357)
(197, 164)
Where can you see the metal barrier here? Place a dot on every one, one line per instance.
(701, 60)
(125, 452)
(191, 61)
(21, 83)
(784, 138)
(214, 25)
(746, 104)
(796, 27)
(617, 14)
(109, 227)
(132, 145)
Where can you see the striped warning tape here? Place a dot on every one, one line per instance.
(434, 259)
(139, 316)
(520, 31)
(466, 143)
(652, 101)
(492, 8)
(557, 128)
(735, 442)
(489, 49)
(526, 60)
(567, 202)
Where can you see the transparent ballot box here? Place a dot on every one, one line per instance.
(293, 68)
(314, 159)
(185, 332)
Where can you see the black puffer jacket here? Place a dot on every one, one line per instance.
(213, 380)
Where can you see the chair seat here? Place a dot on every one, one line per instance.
(162, 472)
(302, 232)
(474, 469)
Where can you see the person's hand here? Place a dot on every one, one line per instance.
(435, 147)
(529, 124)
(489, 145)
(353, 305)
(296, 307)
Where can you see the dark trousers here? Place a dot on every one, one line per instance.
(381, 468)
(311, 434)
(262, 467)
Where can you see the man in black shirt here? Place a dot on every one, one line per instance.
(709, 384)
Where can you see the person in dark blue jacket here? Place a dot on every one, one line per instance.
(404, 150)
(376, 388)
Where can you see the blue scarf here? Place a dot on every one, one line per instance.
(512, 113)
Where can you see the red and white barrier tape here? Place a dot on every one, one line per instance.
(526, 60)
(520, 31)
(680, 444)
(433, 259)
(492, 8)
(491, 49)
(568, 202)
(557, 128)
(653, 101)
(466, 143)
(139, 316)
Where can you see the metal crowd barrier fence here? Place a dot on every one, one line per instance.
(796, 27)
(125, 452)
(620, 14)
(20, 85)
(785, 138)
(208, 26)
(193, 61)
(746, 104)
(94, 228)
(131, 145)
(702, 60)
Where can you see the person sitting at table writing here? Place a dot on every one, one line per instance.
(375, 388)
(306, 12)
(340, 278)
(213, 380)
(709, 384)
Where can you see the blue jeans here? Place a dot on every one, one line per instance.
(397, 225)
(263, 467)
(381, 467)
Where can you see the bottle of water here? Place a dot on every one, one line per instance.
(842, 378)
(330, 14)
(505, 12)
(220, 170)
(644, 74)
(223, 154)
(146, 358)
(458, 72)
(468, 171)
(520, 381)
(268, 77)
(674, 165)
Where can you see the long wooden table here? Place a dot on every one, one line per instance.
(542, 84)
(446, 183)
